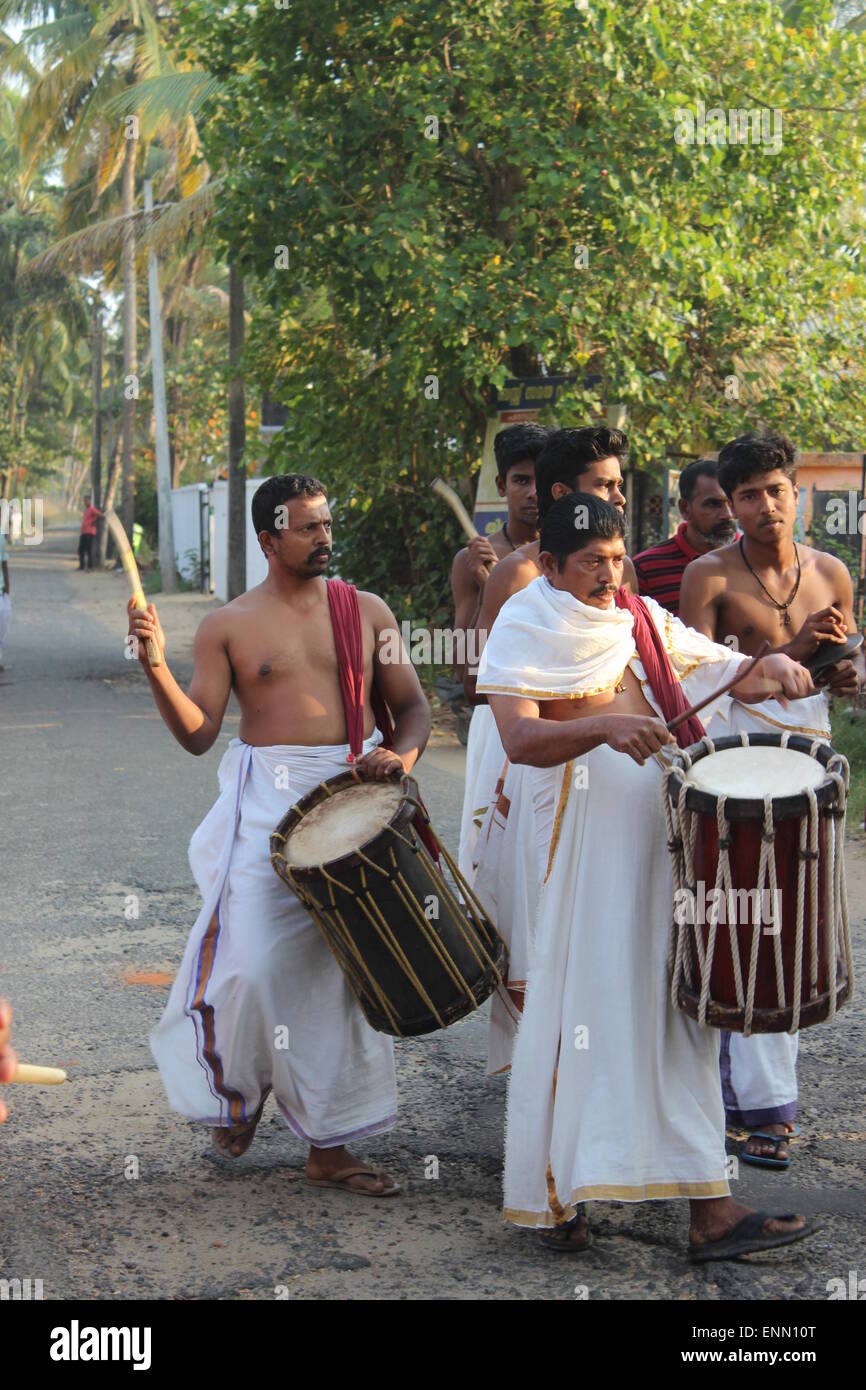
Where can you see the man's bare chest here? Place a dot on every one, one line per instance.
(750, 616)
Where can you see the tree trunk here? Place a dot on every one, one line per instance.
(130, 356)
(96, 436)
(237, 478)
(167, 566)
(110, 488)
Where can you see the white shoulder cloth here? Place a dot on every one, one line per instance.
(547, 645)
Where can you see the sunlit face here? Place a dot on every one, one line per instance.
(592, 574)
(765, 505)
(302, 544)
(709, 512)
(603, 478)
(518, 488)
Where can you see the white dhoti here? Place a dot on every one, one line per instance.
(507, 883)
(5, 618)
(485, 761)
(259, 1001)
(759, 1073)
(614, 1092)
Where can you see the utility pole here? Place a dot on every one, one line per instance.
(167, 566)
(237, 477)
(96, 433)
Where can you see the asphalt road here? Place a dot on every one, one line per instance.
(106, 1193)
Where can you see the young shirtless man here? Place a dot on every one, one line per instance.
(256, 964)
(585, 460)
(516, 448)
(506, 868)
(768, 587)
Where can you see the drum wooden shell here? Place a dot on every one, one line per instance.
(412, 971)
(825, 968)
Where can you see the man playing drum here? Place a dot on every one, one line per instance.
(259, 1002)
(766, 586)
(614, 1093)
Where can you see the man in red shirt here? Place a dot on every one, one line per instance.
(88, 533)
(708, 522)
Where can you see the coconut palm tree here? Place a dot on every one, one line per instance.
(76, 61)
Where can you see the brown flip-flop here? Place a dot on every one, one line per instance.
(557, 1238)
(340, 1180)
(237, 1134)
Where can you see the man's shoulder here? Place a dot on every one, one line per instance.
(518, 562)
(714, 563)
(824, 561)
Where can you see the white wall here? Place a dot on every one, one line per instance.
(257, 565)
(185, 507)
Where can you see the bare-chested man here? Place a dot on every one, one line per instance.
(590, 460)
(586, 460)
(516, 448)
(767, 586)
(260, 1003)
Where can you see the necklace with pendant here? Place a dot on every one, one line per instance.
(781, 608)
(506, 535)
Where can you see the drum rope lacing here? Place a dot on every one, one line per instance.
(682, 826)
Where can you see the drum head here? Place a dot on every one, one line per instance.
(343, 823)
(750, 773)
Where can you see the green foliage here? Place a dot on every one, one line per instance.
(454, 256)
(849, 738)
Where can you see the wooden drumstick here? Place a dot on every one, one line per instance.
(674, 724)
(39, 1076)
(450, 496)
(127, 559)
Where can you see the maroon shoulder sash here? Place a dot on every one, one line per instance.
(348, 639)
(660, 673)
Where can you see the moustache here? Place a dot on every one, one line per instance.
(322, 553)
(604, 589)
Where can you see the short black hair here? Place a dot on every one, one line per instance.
(516, 443)
(701, 468)
(742, 458)
(573, 521)
(568, 454)
(276, 492)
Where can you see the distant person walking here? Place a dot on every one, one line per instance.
(88, 533)
(5, 601)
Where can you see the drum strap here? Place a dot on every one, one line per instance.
(659, 671)
(348, 640)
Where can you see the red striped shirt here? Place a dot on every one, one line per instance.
(660, 569)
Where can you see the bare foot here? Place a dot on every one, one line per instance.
(337, 1167)
(234, 1140)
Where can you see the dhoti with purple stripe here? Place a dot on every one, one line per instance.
(259, 1002)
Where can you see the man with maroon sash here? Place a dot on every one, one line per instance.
(259, 1003)
(614, 1092)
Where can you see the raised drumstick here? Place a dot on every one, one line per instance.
(39, 1076)
(450, 496)
(127, 559)
(674, 724)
